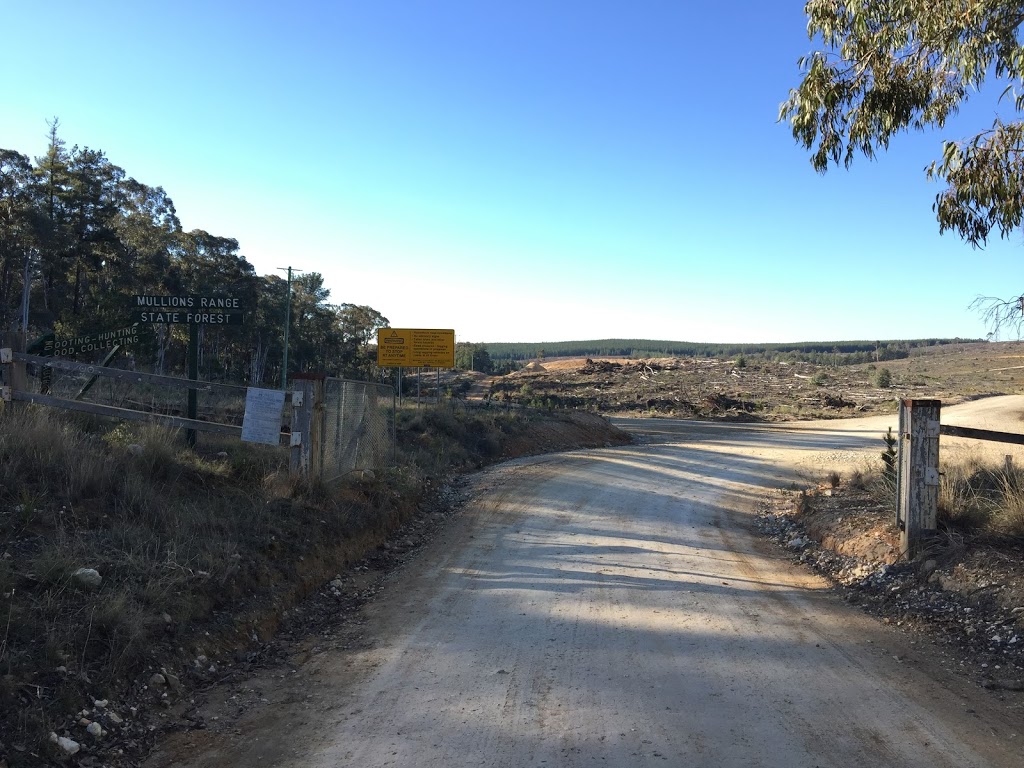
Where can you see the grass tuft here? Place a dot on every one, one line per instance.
(186, 540)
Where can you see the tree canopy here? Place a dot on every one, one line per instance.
(79, 237)
(888, 66)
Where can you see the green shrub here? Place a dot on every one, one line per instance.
(889, 454)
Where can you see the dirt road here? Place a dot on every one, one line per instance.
(611, 608)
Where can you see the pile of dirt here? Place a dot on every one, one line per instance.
(601, 366)
(718, 403)
(561, 431)
(966, 603)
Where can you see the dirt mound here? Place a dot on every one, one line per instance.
(534, 366)
(591, 367)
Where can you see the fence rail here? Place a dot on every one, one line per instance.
(337, 426)
(98, 409)
(136, 377)
(982, 434)
(918, 480)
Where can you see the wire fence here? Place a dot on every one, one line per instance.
(120, 384)
(347, 426)
(358, 431)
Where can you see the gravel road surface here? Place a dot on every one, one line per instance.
(612, 607)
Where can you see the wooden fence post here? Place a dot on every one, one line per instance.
(307, 424)
(918, 484)
(14, 375)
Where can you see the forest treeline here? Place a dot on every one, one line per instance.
(823, 352)
(79, 238)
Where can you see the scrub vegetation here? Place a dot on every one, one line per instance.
(124, 553)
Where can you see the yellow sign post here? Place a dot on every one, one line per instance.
(415, 348)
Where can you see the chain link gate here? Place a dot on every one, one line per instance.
(341, 426)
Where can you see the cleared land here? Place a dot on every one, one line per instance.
(757, 389)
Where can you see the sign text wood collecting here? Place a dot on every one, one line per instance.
(92, 342)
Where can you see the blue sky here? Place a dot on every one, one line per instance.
(529, 171)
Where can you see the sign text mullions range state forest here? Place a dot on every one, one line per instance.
(191, 310)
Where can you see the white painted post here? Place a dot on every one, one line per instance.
(918, 485)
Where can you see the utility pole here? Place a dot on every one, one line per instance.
(287, 322)
(26, 293)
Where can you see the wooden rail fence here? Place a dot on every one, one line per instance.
(918, 477)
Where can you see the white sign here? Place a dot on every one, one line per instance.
(262, 420)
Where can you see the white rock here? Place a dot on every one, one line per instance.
(157, 680)
(798, 543)
(66, 745)
(115, 718)
(87, 577)
(135, 449)
(100, 703)
(95, 730)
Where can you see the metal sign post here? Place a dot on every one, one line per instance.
(193, 375)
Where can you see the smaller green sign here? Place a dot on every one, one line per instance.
(95, 342)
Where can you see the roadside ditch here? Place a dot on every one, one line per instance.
(964, 602)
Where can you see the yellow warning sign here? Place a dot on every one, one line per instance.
(415, 348)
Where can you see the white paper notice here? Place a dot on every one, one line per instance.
(262, 421)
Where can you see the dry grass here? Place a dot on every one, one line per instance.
(1008, 517)
(981, 498)
(175, 537)
(977, 498)
(186, 542)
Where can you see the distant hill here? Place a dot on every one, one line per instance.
(813, 351)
